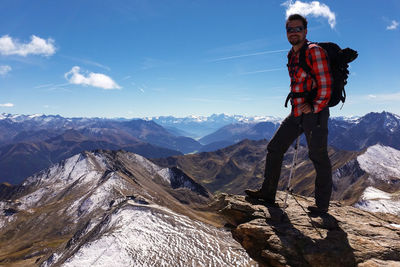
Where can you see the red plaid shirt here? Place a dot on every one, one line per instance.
(316, 58)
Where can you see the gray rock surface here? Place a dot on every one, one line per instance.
(346, 236)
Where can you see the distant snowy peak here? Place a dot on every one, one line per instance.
(69, 170)
(22, 118)
(351, 119)
(47, 119)
(381, 162)
(215, 118)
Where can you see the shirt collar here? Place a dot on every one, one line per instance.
(292, 51)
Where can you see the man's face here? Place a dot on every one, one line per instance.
(296, 37)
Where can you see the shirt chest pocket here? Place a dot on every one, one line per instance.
(298, 75)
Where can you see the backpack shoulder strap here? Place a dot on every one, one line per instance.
(302, 58)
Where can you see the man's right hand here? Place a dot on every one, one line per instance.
(305, 108)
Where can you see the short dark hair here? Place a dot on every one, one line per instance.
(297, 17)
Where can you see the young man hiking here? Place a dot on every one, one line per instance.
(309, 115)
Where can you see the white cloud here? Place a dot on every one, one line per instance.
(4, 69)
(92, 79)
(7, 105)
(314, 8)
(393, 26)
(37, 46)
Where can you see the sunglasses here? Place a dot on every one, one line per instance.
(294, 29)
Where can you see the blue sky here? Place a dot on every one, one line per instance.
(142, 58)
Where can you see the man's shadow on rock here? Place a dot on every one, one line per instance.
(324, 243)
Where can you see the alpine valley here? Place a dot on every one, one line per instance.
(117, 192)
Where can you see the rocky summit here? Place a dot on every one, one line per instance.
(346, 236)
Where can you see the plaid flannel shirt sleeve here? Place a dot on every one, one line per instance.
(318, 61)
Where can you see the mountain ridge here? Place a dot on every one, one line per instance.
(113, 201)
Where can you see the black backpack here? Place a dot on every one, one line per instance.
(338, 61)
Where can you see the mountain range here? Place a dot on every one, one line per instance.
(114, 207)
(103, 208)
(200, 126)
(353, 134)
(29, 143)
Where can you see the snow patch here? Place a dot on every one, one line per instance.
(102, 196)
(381, 161)
(375, 200)
(166, 174)
(147, 164)
(5, 220)
(372, 193)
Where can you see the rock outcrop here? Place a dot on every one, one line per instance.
(346, 236)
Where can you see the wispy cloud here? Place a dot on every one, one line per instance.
(37, 46)
(54, 87)
(43, 85)
(7, 105)
(91, 79)
(50, 107)
(151, 63)
(248, 55)
(4, 69)
(250, 45)
(206, 100)
(261, 71)
(142, 88)
(393, 26)
(87, 62)
(393, 97)
(314, 8)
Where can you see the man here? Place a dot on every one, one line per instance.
(309, 115)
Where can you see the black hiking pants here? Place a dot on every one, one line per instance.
(315, 128)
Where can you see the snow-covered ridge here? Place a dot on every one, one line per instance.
(59, 176)
(392, 122)
(151, 235)
(87, 169)
(381, 162)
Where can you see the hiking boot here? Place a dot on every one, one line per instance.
(258, 194)
(317, 210)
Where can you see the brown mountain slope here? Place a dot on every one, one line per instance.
(241, 166)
